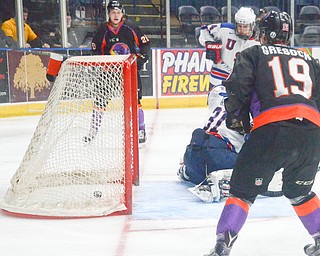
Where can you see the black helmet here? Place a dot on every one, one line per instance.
(276, 27)
(115, 5)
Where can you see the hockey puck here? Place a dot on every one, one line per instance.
(97, 194)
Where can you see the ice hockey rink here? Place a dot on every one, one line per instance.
(167, 219)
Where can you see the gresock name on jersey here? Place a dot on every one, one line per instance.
(269, 50)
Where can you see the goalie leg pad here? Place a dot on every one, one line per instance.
(214, 188)
(222, 178)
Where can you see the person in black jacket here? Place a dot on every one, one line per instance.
(7, 41)
(280, 87)
(118, 36)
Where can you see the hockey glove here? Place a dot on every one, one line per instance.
(233, 123)
(213, 51)
(238, 120)
(240, 124)
(142, 58)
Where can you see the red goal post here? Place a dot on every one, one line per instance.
(64, 176)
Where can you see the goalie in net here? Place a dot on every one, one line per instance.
(211, 154)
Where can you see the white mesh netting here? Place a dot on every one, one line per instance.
(75, 163)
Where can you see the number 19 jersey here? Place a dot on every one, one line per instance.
(284, 80)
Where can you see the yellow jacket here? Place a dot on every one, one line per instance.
(9, 27)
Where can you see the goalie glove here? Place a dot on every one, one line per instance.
(213, 51)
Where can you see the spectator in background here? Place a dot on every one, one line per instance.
(9, 27)
(50, 33)
(6, 41)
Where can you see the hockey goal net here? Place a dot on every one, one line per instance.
(83, 154)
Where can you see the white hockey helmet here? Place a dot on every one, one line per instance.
(245, 16)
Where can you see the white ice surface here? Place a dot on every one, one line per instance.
(167, 219)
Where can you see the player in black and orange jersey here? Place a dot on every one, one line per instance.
(119, 36)
(280, 87)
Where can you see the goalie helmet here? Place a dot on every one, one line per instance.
(117, 5)
(245, 21)
(275, 28)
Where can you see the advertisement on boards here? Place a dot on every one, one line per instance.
(181, 72)
(27, 74)
(4, 89)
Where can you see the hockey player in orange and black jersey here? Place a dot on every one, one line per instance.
(285, 85)
(118, 37)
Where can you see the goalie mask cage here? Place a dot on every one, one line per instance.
(62, 175)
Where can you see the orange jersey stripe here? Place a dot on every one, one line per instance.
(287, 112)
(242, 204)
(308, 207)
(115, 30)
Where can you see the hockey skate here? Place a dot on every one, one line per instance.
(223, 247)
(91, 135)
(142, 126)
(182, 173)
(142, 136)
(313, 249)
(220, 249)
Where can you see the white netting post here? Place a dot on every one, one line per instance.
(83, 154)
